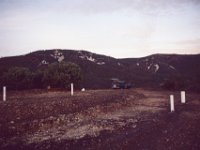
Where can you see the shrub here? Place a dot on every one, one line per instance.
(60, 75)
(17, 78)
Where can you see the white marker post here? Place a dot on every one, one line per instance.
(172, 103)
(4, 93)
(183, 97)
(72, 89)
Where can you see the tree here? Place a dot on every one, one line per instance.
(60, 75)
(17, 78)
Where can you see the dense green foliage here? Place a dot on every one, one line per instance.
(17, 78)
(62, 74)
(56, 75)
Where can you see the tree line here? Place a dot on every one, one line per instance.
(55, 75)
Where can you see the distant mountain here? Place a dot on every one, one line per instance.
(151, 71)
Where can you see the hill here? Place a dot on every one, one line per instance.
(171, 71)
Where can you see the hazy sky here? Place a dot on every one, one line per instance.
(119, 28)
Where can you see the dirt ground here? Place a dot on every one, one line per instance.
(99, 119)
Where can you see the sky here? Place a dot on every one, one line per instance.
(118, 28)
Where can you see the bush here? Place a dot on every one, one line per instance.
(17, 78)
(60, 75)
(57, 75)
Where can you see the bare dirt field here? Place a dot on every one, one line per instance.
(99, 119)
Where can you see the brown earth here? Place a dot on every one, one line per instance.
(99, 119)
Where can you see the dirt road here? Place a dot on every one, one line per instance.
(99, 119)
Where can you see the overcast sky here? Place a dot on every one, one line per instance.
(118, 28)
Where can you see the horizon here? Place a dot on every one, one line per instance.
(93, 53)
(121, 29)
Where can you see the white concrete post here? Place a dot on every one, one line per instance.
(4, 93)
(172, 103)
(72, 89)
(182, 96)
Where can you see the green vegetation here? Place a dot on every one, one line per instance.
(17, 78)
(56, 75)
(62, 74)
